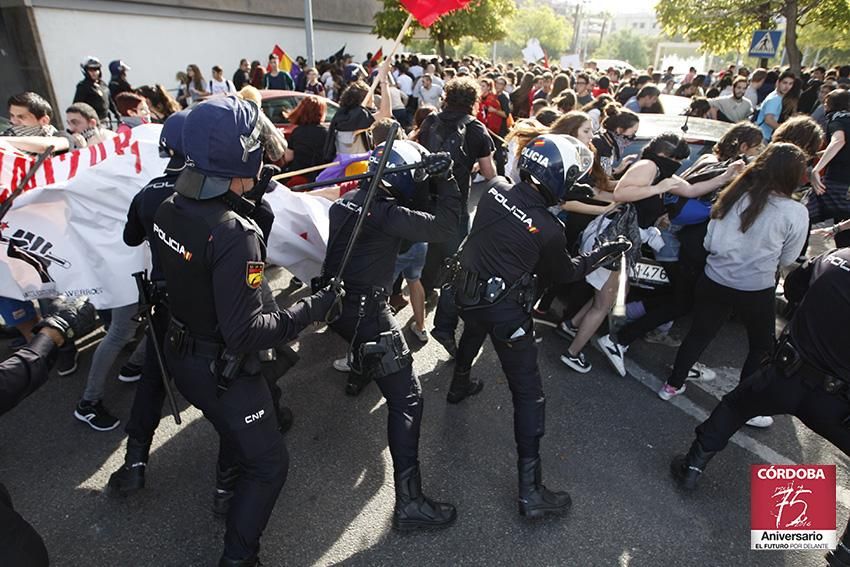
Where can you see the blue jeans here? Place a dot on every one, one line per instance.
(121, 331)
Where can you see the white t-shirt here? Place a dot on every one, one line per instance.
(405, 83)
(221, 87)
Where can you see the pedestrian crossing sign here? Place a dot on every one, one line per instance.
(765, 43)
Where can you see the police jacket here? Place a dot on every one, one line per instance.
(820, 328)
(387, 224)
(26, 370)
(514, 234)
(213, 262)
(141, 214)
(95, 94)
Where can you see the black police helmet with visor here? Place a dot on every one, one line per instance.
(552, 163)
(221, 140)
(171, 141)
(408, 187)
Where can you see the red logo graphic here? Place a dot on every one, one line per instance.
(792, 507)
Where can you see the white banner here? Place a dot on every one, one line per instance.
(69, 223)
(533, 52)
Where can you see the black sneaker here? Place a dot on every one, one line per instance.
(566, 329)
(130, 373)
(66, 361)
(96, 415)
(549, 318)
(577, 362)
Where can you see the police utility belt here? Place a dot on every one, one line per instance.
(226, 365)
(472, 291)
(792, 363)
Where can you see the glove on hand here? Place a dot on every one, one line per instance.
(438, 164)
(69, 317)
(608, 251)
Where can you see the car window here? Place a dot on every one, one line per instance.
(329, 115)
(276, 107)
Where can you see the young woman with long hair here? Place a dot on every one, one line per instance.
(161, 104)
(519, 98)
(307, 140)
(755, 228)
(197, 86)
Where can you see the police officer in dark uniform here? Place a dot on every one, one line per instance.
(20, 375)
(808, 376)
(212, 256)
(150, 392)
(92, 90)
(513, 239)
(378, 350)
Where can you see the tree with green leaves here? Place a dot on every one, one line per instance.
(625, 45)
(538, 21)
(728, 25)
(485, 20)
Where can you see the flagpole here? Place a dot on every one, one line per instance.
(398, 39)
(298, 172)
(308, 28)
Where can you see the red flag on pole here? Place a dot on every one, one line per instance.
(427, 12)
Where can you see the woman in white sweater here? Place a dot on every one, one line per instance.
(756, 227)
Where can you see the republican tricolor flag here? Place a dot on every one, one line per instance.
(427, 12)
(286, 62)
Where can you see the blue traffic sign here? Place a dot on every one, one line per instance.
(765, 43)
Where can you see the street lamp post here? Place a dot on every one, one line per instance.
(308, 28)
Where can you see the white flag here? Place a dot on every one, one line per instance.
(68, 226)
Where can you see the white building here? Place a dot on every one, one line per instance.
(643, 24)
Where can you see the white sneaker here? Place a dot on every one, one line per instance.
(701, 373)
(614, 352)
(341, 364)
(760, 421)
(668, 392)
(421, 335)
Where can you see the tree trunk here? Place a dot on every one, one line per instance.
(795, 57)
(441, 46)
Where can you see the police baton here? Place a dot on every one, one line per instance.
(7, 204)
(146, 303)
(336, 282)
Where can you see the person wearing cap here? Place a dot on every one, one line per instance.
(378, 350)
(118, 81)
(212, 256)
(92, 90)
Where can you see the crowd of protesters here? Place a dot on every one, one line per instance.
(786, 133)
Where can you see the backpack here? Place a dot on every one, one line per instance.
(687, 211)
(444, 136)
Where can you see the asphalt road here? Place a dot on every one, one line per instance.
(608, 442)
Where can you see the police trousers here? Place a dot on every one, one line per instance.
(150, 393)
(244, 418)
(400, 389)
(511, 331)
(770, 392)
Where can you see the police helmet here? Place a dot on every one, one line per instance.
(171, 141)
(401, 185)
(221, 141)
(89, 62)
(553, 162)
(117, 66)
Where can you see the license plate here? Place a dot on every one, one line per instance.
(652, 273)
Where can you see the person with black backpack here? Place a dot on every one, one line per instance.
(456, 131)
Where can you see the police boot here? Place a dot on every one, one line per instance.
(840, 556)
(414, 510)
(356, 382)
(130, 477)
(535, 500)
(462, 387)
(686, 469)
(252, 561)
(225, 484)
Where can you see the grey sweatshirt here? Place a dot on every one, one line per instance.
(748, 261)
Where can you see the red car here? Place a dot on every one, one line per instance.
(277, 103)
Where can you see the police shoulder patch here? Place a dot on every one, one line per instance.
(254, 274)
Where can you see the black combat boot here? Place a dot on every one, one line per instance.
(356, 383)
(249, 562)
(130, 477)
(840, 556)
(535, 500)
(225, 484)
(462, 387)
(686, 469)
(414, 510)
